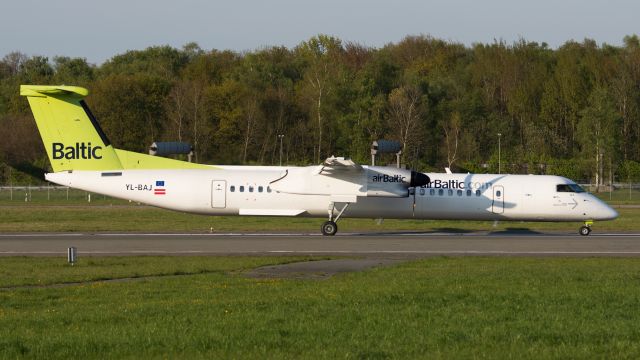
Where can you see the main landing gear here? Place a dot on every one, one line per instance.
(586, 228)
(330, 228)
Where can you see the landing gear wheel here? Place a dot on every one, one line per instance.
(585, 230)
(329, 228)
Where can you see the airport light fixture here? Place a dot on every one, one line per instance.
(72, 255)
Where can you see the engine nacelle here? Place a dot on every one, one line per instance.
(393, 182)
(375, 181)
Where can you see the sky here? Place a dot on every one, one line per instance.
(98, 30)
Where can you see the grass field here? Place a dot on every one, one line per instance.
(433, 308)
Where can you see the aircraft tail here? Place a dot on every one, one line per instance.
(71, 134)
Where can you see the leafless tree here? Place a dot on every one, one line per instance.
(321, 52)
(406, 110)
(13, 62)
(451, 136)
(176, 108)
(251, 118)
(197, 103)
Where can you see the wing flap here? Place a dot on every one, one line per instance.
(338, 165)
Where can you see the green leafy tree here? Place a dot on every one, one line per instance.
(158, 61)
(131, 109)
(74, 71)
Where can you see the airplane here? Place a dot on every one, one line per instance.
(82, 157)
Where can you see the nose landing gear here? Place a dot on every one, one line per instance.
(586, 228)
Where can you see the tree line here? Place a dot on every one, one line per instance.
(572, 111)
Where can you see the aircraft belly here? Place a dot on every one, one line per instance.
(318, 206)
(449, 208)
(379, 207)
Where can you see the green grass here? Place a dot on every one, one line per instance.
(434, 308)
(620, 197)
(25, 271)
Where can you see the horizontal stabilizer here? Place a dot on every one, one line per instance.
(45, 90)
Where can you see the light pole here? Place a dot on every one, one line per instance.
(499, 137)
(280, 137)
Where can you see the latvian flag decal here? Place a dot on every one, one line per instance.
(159, 189)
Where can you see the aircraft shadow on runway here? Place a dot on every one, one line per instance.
(453, 231)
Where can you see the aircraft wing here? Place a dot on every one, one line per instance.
(344, 180)
(339, 166)
(335, 176)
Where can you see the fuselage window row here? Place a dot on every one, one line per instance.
(232, 188)
(432, 192)
(459, 192)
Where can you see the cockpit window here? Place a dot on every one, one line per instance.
(577, 188)
(572, 188)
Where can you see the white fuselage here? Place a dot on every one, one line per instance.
(250, 190)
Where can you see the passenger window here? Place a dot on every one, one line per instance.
(259, 188)
(459, 192)
(241, 188)
(250, 188)
(468, 192)
(477, 192)
(268, 189)
(498, 193)
(432, 192)
(440, 192)
(450, 192)
(421, 191)
(232, 188)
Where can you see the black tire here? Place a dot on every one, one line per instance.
(329, 228)
(584, 230)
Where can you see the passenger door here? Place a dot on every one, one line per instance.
(497, 206)
(218, 194)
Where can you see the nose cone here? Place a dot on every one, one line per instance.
(605, 212)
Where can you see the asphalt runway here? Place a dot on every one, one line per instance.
(396, 245)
